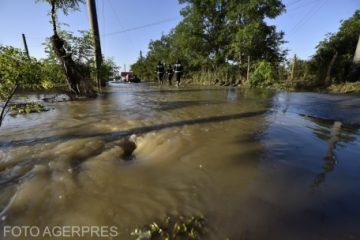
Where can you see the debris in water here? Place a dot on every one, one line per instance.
(128, 146)
(24, 108)
(179, 228)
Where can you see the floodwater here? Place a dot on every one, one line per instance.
(257, 164)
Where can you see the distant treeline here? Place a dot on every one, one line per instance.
(221, 41)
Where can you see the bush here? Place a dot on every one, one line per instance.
(264, 75)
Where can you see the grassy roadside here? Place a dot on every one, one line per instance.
(345, 88)
(209, 80)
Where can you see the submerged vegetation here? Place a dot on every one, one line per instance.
(24, 108)
(173, 228)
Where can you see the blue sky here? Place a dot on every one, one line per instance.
(305, 23)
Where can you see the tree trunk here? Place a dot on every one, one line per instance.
(248, 70)
(293, 68)
(53, 17)
(328, 73)
(73, 76)
(3, 110)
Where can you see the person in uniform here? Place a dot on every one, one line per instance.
(178, 72)
(170, 73)
(160, 72)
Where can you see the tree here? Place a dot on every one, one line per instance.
(216, 36)
(140, 67)
(80, 46)
(205, 31)
(223, 30)
(72, 73)
(109, 69)
(263, 75)
(252, 35)
(342, 45)
(16, 71)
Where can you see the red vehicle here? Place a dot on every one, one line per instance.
(129, 77)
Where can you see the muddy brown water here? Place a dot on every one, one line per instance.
(257, 164)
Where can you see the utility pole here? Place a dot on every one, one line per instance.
(357, 53)
(96, 37)
(328, 81)
(293, 69)
(25, 45)
(248, 69)
(354, 74)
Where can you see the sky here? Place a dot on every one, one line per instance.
(127, 26)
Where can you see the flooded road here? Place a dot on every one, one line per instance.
(257, 164)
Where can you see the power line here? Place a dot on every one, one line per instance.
(304, 5)
(119, 21)
(143, 26)
(307, 17)
(293, 3)
(115, 13)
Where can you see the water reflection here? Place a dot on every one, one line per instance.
(337, 135)
(232, 94)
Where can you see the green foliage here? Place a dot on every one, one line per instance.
(65, 5)
(25, 108)
(225, 75)
(109, 69)
(143, 68)
(16, 69)
(181, 228)
(80, 46)
(252, 35)
(264, 75)
(344, 43)
(52, 74)
(216, 35)
(311, 74)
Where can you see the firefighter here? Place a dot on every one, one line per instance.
(178, 72)
(170, 73)
(160, 72)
